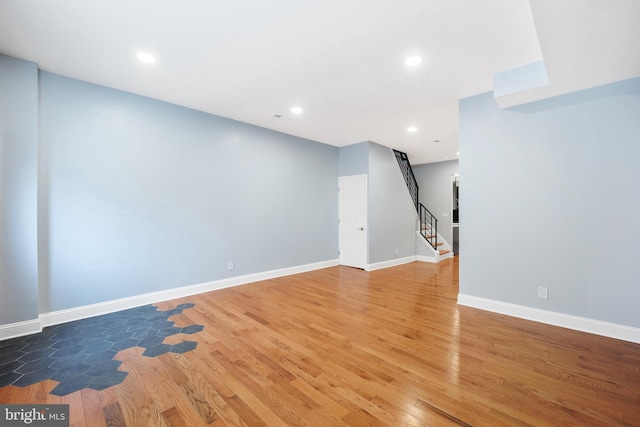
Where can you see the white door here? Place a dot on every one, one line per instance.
(352, 213)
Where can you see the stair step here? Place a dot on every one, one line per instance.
(443, 251)
(432, 237)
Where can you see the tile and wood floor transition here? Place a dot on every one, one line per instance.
(81, 354)
(340, 346)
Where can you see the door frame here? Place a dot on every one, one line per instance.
(455, 178)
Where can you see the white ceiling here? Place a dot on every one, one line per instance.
(342, 61)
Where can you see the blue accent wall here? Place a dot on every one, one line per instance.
(18, 190)
(551, 197)
(142, 196)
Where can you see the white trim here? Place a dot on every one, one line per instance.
(425, 258)
(77, 313)
(389, 263)
(18, 329)
(611, 330)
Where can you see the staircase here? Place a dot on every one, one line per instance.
(428, 223)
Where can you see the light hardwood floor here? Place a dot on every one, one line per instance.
(341, 346)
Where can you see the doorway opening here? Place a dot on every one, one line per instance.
(455, 214)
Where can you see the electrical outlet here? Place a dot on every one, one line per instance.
(229, 265)
(543, 292)
(396, 251)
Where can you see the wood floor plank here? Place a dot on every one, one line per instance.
(329, 404)
(199, 403)
(173, 418)
(76, 407)
(14, 395)
(113, 415)
(216, 393)
(92, 406)
(108, 396)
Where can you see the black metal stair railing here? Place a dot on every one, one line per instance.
(428, 226)
(428, 222)
(409, 177)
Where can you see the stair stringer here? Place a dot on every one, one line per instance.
(426, 253)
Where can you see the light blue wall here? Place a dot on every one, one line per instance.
(143, 196)
(18, 190)
(551, 197)
(392, 215)
(354, 159)
(435, 183)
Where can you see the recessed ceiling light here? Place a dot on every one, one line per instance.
(457, 153)
(412, 129)
(412, 61)
(296, 110)
(146, 57)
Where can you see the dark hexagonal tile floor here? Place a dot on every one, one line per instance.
(80, 354)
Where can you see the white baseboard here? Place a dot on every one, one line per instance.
(18, 329)
(389, 263)
(77, 313)
(425, 258)
(611, 330)
(405, 260)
